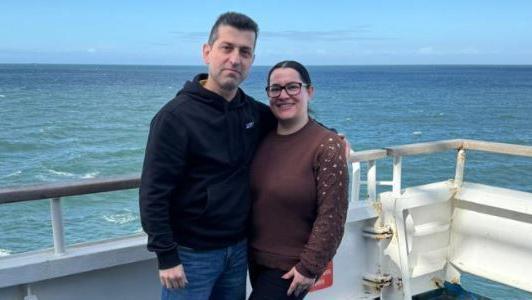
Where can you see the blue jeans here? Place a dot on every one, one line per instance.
(218, 274)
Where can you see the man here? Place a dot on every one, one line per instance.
(194, 191)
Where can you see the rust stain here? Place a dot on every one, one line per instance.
(455, 280)
(399, 283)
(377, 206)
(438, 282)
(377, 282)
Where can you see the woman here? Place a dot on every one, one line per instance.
(299, 192)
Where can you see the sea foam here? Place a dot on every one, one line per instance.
(121, 218)
(67, 174)
(12, 174)
(90, 175)
(4, 252)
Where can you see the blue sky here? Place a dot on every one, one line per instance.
(313, 32)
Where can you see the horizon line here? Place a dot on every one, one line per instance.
(264, 65)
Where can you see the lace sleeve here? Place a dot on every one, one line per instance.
(331, 177)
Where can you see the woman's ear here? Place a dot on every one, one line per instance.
(310, 91)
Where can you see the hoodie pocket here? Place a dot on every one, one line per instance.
(228, 202)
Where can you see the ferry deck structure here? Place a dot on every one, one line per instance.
(397, 244)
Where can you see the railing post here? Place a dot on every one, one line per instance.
(460, 165)
(396, 185)
(57, 226)
(372, 180)
(29, 295)
(355, 181)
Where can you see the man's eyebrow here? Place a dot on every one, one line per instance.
(243, 47)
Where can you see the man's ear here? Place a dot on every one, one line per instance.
(205, 51)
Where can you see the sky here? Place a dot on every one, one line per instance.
(313, 32)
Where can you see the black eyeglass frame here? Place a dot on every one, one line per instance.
(283, 87)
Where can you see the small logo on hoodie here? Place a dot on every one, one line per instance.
(250, 124)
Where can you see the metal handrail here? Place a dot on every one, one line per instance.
(75, 188)
(90, 186)
(397, 152)
(55, 191)
(440, 146)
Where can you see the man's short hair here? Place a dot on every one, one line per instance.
(236, 20)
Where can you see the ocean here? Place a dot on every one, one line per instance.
(70, 122)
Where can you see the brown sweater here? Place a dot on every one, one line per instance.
(299, 197)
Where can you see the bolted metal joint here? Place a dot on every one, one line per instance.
(377, 281)
(378, 232)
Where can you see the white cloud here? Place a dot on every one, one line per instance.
(426, 51)
(464, 51)
(362, 33)
(469, 51)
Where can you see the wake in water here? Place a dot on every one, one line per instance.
(60, 173)
(16, 173)
(121, 218)
(88, 175)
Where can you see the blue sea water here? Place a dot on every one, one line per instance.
(70, 122)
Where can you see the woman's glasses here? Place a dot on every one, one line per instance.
(292, 89)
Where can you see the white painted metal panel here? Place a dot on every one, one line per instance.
(417, 254)
(491, 234)
(356, 255)
(124, 269)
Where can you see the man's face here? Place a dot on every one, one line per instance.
(229, 59)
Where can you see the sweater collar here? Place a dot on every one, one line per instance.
(301, 131)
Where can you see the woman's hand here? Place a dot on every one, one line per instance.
(299, 284)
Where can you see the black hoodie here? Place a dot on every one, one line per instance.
(194, 188)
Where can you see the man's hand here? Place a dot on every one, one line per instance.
(299, 284)
(173, 278)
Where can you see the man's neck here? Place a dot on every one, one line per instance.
(227, 95)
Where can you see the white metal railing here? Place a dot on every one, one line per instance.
(56, 192)
(57, 226)
(397, 152)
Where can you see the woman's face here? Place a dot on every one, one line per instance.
(290, 104)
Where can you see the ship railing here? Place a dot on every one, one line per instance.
(57, 191)
(398, 152)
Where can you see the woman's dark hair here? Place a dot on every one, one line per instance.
(300, 69)
(292, 64)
